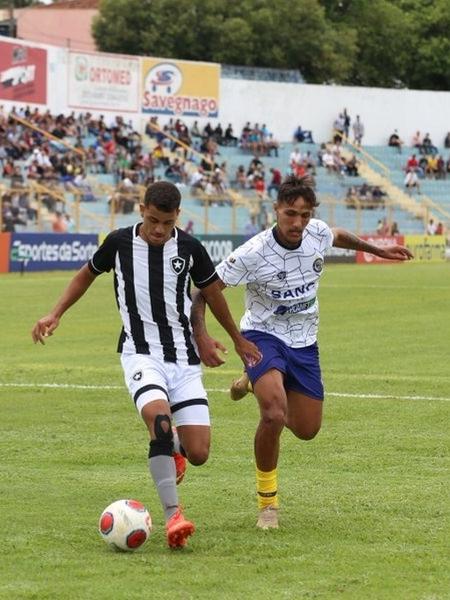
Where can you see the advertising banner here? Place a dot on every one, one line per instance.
(50, 251)
(339, 255)
(426, 248)
(23, 73)
(220, 246)
(5, 240)
(103, 82)
(378, 240)
(180, 88)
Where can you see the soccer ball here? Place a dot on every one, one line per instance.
(125, 524)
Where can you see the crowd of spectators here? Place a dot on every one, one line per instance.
(83, 147)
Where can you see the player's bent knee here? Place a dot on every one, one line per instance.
(198, 456)
(306, 433)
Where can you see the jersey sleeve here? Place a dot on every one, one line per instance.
(104, 258)
(239, 267)
(326, 235)
(202, 271)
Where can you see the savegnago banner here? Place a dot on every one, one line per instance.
(103, 82)
(180, 88)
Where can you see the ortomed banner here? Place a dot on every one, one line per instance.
(23, 73)
(103, 82)
(180, 88)
(378, 240)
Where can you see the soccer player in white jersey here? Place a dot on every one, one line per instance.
(281, 268)
(153, 263)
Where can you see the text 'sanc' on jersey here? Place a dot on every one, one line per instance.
(282, 283)
(152, 288)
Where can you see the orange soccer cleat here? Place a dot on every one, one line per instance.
(178, 530)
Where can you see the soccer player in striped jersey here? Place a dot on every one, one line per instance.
(281, 268)
(153, 263)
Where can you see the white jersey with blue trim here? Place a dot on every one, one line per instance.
(281, 283)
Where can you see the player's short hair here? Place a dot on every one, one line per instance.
(163, 195)
(294, 187)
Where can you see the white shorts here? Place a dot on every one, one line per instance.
(149, 379)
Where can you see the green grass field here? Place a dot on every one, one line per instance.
(364, 505)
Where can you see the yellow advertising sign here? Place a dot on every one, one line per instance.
(180, 88)
(426, 248)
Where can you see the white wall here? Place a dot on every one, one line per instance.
(283, 106)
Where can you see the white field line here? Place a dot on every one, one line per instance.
(76, 386)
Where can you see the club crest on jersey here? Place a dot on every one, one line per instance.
(318, 265)
(177, 263)
(137, 376)
(281, 275)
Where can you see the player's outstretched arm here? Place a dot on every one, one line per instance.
(208, 347)
(76, 288)
(350, 241)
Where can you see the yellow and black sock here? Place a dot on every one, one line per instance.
(266, 488)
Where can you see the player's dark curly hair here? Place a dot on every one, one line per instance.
(294, 187)
(163, 195)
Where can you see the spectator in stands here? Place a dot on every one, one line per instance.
(358, 131)
(295, 158)
(432, 166)
(394, 229)
(416, 141)
(431, 227)
(197, 181)
(328, 161)
(208, 131)
(218, 134)
(412, 163)
(151, 127)
(338, 128)
(159, 156)
(59, 223)
(303, 135)
(259, 186)
(251, 227)
(440, 173)
(240, 177)
(447, 140)
(364, 193)
(275, 182)
(351, 198)
(195, 131)
(230, 139)
(189, 227)
(395, 141)
(175, 171)
(378, 195)
(411, 182)
(347, 121)
(427, 146)
(351, 167)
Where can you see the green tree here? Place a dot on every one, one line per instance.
(428, 66)
(383, 33)
(250, 32)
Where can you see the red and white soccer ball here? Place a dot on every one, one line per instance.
(125, 524)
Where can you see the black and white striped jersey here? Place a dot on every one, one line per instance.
(152, 287)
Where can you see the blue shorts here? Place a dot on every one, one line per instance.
(300, 366)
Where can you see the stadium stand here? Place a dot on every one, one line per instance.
(96, 176)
